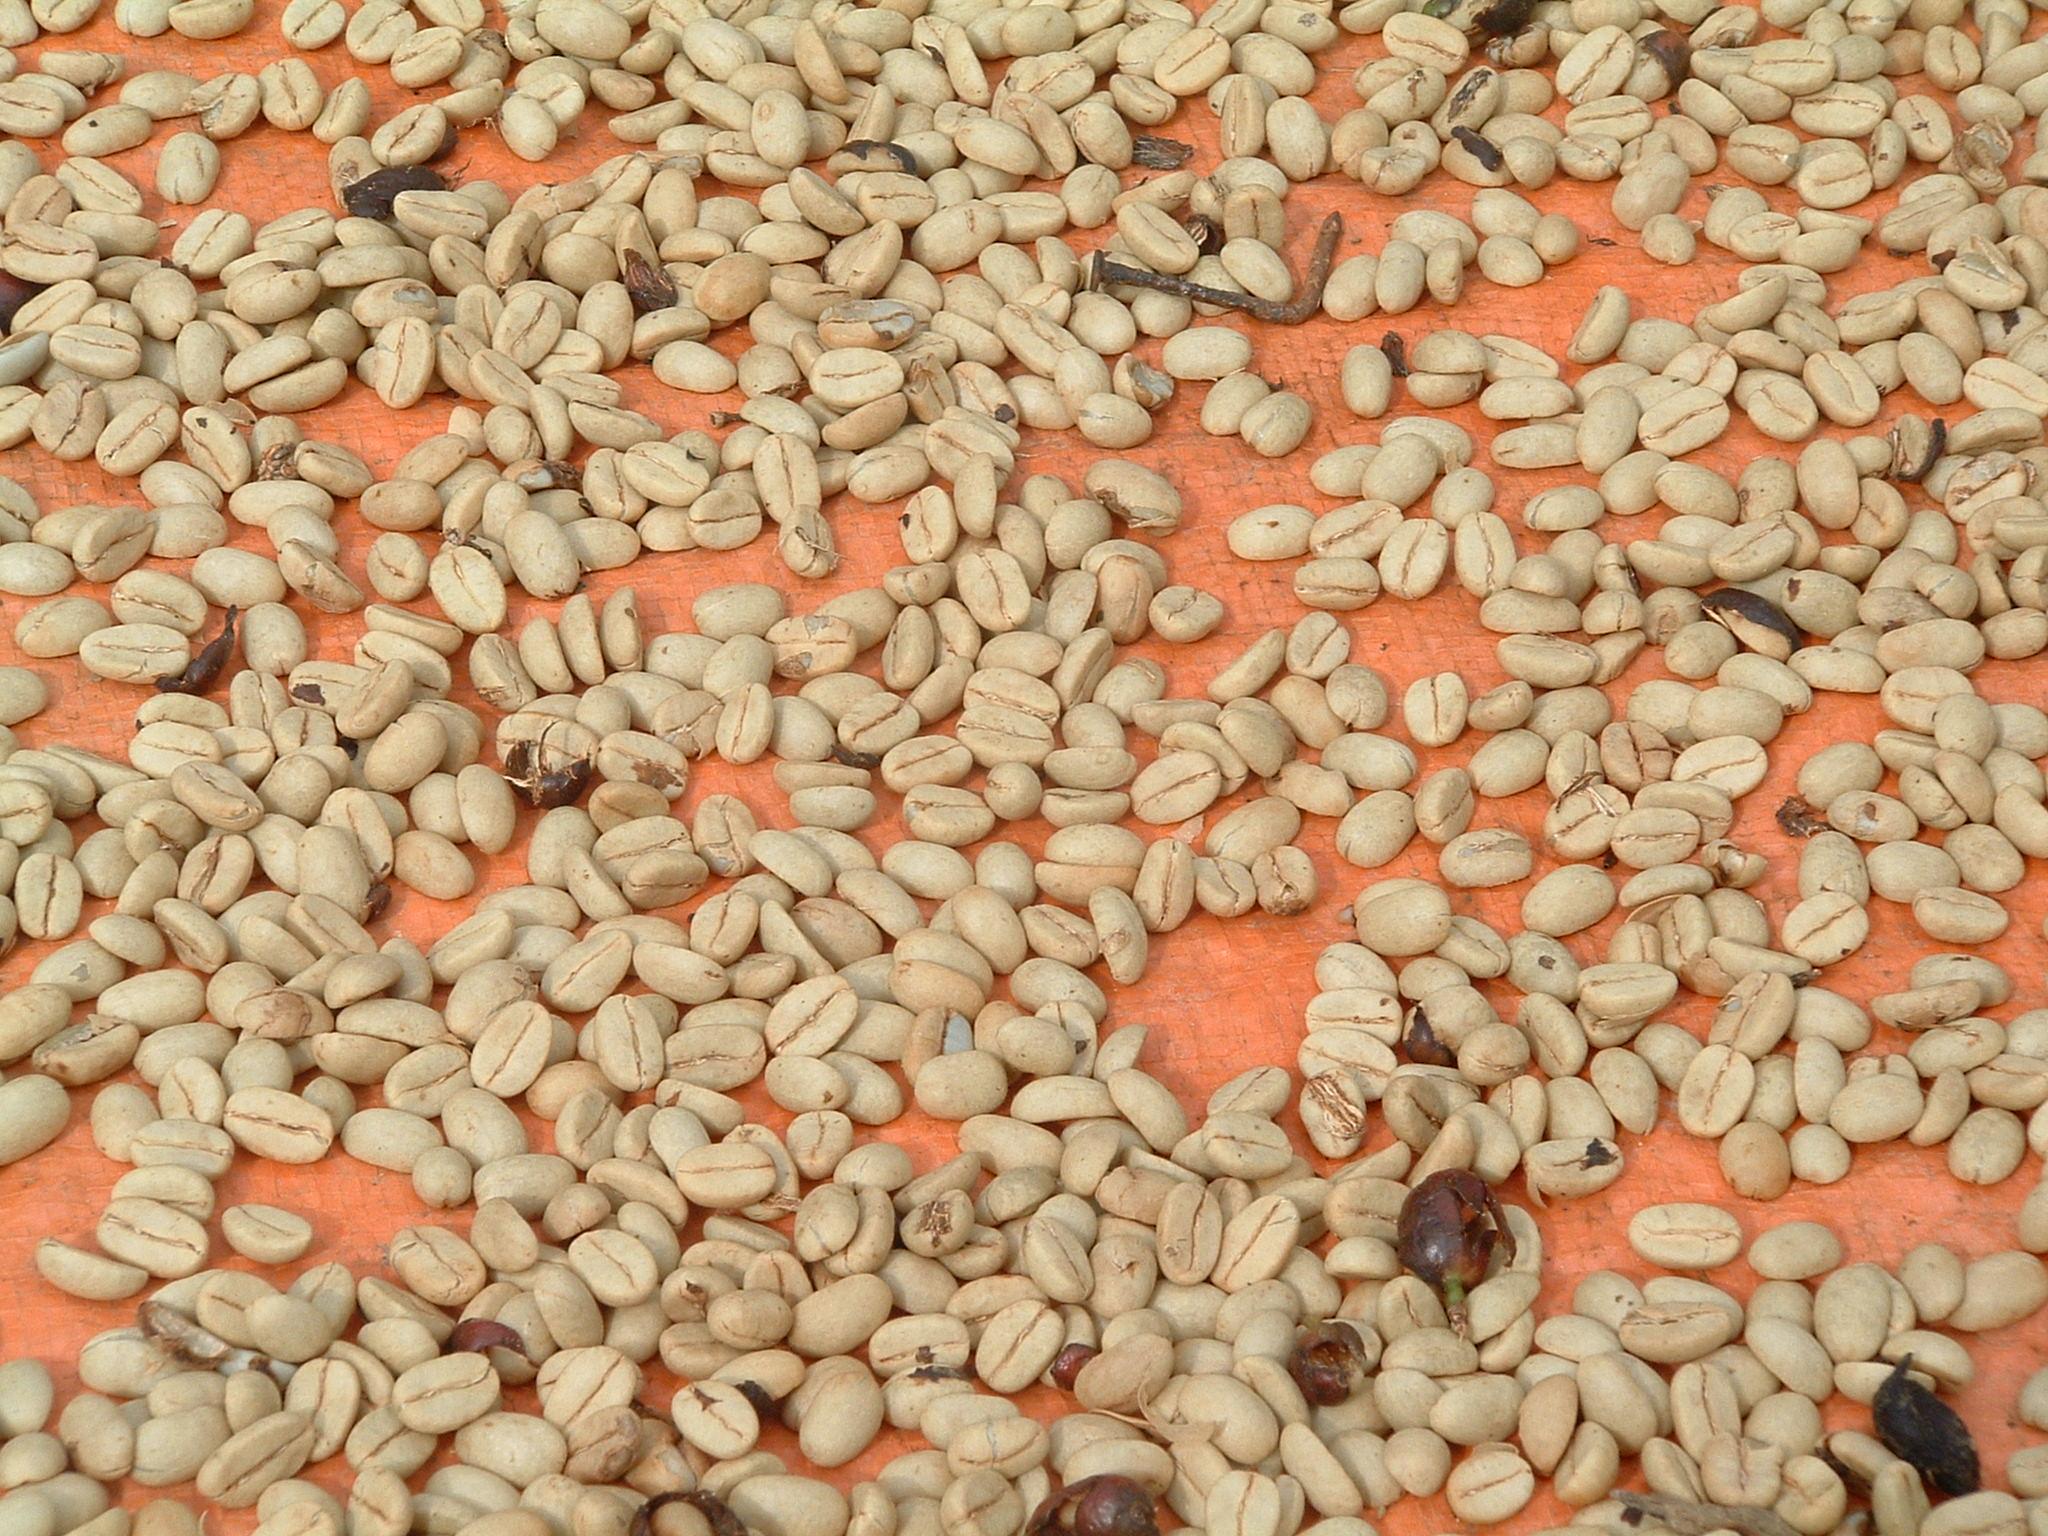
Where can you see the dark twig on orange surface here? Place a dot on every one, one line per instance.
(1689, 1517)
(475, 1335)
(1105, 270)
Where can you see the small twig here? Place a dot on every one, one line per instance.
(475, 1335)
(1688, 1518)
(860, 150)
(1103, 271)
(1479, 147)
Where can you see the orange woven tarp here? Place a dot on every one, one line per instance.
(1218, 997)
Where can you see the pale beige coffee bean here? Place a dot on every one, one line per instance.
(442, 1395)
(1879, 1107)
(277, 1125)
(107, 130)
(89, 1276)
(388, 1138)
(1715, 1091)
(788, 1502)
(1206, 352)
(27, 1396)
(1998, 1289)
(187, 168)
(265, 1452)
(312, 24)
(1482, 859)
(1492, 1484)
(1402, 917)
(1685, 1236)
(266, 1233)
(33, 1112)
(1798, 1250)
(28, 570)
(135, 653)
(22, 695)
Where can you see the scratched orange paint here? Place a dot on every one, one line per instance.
(1218, 997)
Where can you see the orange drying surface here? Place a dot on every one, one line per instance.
(1219, 997)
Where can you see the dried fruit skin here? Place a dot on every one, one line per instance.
(204, 669)
(545, 788)
(14, 293)
(1671, 49)
(1328, 1363)
(1916, 444)
(1160, 154)
(1421, 1046)
(1105, 1505)
(474, 1335)
(1066, 1365)
(649, 286)
(717, 1515)
(1798, 818)
(1919, 1427)
(1493, 18)
(373, 195)
(896, 155)
(1505, 16)
(1479, 147)
(1751, 618)
(1449, 1226)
